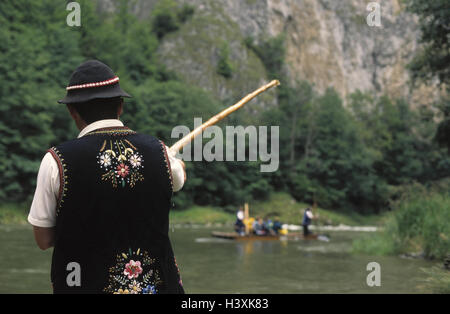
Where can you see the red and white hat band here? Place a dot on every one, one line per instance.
(115, 79)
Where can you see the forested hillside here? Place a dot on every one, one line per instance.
(354, 157)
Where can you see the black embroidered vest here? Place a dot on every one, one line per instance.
(113, 215)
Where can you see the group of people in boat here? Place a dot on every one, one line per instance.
(264, 227)
(256, 226)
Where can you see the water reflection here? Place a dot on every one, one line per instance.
(295, 266)
(247, 248)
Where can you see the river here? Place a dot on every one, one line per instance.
(211, 265)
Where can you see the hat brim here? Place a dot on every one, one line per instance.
(86, 94)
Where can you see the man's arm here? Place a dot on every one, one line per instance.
(45, 237)
(43, 209)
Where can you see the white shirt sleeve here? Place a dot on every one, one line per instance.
(177, 171)
(309, 214)
(43, 209)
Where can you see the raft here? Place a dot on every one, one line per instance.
(251, 237)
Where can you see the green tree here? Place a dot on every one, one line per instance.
(400, 138)
(164, 18)
(442, 136)
(38, 53)
(434, 58)
(337, 170)
(272, 54)
(224, 67)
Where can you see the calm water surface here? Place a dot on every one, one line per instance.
(211, 265)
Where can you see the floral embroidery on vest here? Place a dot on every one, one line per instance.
(134, 273)
(121, 161)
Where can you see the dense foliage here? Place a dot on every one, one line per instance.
(419, 224)
(339, 156)
(433, 59)
(224, 67)
(36, 51)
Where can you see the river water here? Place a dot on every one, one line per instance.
(210, 265)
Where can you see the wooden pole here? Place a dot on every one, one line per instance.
(175, 148)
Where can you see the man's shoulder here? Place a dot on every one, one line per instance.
(94, 138)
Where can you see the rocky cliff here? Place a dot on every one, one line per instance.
(328, 43)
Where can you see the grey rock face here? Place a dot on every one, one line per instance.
(328, 43)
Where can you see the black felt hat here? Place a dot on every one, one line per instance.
(92, 79)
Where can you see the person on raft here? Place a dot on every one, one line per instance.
(259, 227)
(102, 200)
(239, 225)
(307, 218)
(277, 226)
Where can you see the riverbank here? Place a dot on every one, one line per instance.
(418, 227)
(291, 212)
(419, 224)
(280, 205)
